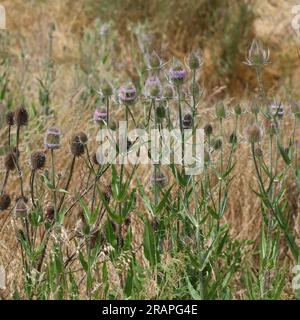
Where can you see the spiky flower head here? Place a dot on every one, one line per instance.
(21, 209)
(154, 62)
(208, 129)
(177, 74)
(5, 201)
(233, 138)
(237, 110)
(106, 89)
(52, 138)
(77, 144)
(160, 112)
(153, 87)
(253, 133)
(295, 107)
(220, 110)
(195, 60)
(10, 118)
(258, 55)
(21, 117)
(187, 121)
(10, 160)
(100, 116)
(127, 94)
(38, 160)
(168, 91)
(277, 109)
(255, 107)
(271, 126)
(160, 179)
(217, 143)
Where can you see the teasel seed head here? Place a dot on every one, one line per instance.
(160, 179)
(100, 116)
(220, 110)
(106, 89)
(208, 129)
(52, 138)
(187, 121)
(154, 62)
(237, 110)
(168, 91)
(195, 61)
(153, 87)
(295, 107)
(177, 74)
(258, 152)
(10, 118)
(21, 117)
(50, 213)
(253, 133)
(217, 143)
(77, 144)
(38, 160)
(160, 112)
(233, 138)
(258, 55)
(5, 201)
(11, 159)
(21, 209)
(127, 94)
(255, 107)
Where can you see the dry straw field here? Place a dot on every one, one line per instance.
(71, 228)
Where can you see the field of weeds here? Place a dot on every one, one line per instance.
(92, 211)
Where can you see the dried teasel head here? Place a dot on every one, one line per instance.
(253, 133)
(187, 121)
(21, 117)
(21, 208)
(5, 201)
(78, 143)
(38, 160)
(52, 138)
(10, 118)
(10, 160)
(208, 129)
(258, 55)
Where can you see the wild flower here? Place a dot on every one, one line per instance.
(154, 62)
(106, 89)
(38, 160)
(100, 116)
(10, 118)
(153, 87)
(220, 110)
(77, 144)
(277, 109)
(258, 55)
(253, 133)
(208, 129)
(21, 117)
(168, 92)
(5, 201)
(195, 60)
(187, 121)
(127, 94)
(177, 74)
(10, 160)
(271, 126)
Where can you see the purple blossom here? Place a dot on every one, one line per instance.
(100, 116)
(127, 94)
(177, 74)
(153, 87)
(52, 138)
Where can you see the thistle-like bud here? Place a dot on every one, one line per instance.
(217, 143)
(100, 116)
(106, 89)
(5, 201)
(187, 121)
(21, 209)
(295, 107)
(253, 133)
(154, 61)
(271, 127)
(127, 94)
(153, 87)
(168, 91)
(160, 112)
(50, 213)
(160, 179)
(277, 109)
(38, 160)
(258, 55)
(220, 110)
(258, 152)
(233, 138)
(52, 138)
(208, 129)
(237, 110)
(195, 61)
(10, 118)
(10, 160)
(177, 74)
(77, 144)
(21, 117)
(255, 107)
